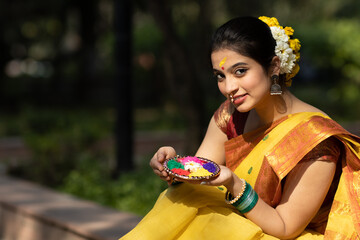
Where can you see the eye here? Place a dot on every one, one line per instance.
(240, 71)
(219, 76)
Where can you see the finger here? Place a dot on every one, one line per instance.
(160, 158)
(166, 153)
(160, 173)
(155, 164)
(166, 178)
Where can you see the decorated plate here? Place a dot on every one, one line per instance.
(191, 168)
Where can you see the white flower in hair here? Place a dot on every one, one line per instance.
(283, 50)
(279, 34)
(287, 48)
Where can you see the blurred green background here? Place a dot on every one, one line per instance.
(58, 110)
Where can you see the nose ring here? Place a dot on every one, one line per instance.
(231, 96)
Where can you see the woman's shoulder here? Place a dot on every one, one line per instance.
(300, 106)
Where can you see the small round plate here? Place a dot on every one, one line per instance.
(191, 168)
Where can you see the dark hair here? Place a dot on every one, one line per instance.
(248, 36)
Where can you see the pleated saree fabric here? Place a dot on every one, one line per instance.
(188, 211)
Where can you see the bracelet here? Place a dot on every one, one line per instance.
(248, 201)
(229, 195)
(245, 201)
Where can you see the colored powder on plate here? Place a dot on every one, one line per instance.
(174, 164)
(210, 167)
(192, 159)
(192, 166)
(200, 172)
(180, 171)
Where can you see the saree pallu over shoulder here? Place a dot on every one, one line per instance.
(300, 140)
(288, 142)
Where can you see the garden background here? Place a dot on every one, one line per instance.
(90, 89)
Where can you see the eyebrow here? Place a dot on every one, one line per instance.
(233, 66)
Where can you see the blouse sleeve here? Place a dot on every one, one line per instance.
(223, 114)
(327, 150)
(230, 121)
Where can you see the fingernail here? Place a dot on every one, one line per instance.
(203, 183)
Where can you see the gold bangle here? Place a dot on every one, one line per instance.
(234, 200)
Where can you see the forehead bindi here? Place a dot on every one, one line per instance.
(225, 59)
(221, 64)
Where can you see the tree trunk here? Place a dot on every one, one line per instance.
(124, 127)
(188, 93)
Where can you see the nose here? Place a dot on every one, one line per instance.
(231, 86)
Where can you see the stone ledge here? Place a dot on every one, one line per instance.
(29, 211)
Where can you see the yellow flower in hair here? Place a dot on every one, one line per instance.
(271, 22)
(287, 48)
(289, 31)
(295, 44)
(288, 82)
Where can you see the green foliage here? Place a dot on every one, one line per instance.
(146, 34)
(159, 119)
(134, 191)
(65, 156)
(331, 49)
(56, 140)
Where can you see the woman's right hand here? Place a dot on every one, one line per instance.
(156, 163)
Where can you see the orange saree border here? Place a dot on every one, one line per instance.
(299, 141)
(352, 179)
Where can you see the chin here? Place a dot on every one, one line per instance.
(243, 108)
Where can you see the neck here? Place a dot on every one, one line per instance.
(275, 107)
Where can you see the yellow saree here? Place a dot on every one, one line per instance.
(189, 211)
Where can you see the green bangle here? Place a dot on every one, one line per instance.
(252, 205)
(248, 201)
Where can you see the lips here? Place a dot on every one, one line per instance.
(239, 99)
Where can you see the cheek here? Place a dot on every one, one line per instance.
(256, 82)
(222, 88)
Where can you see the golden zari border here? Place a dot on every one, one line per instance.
(299, 141)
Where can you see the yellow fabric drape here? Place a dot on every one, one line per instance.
(250, 167)
(188, 211)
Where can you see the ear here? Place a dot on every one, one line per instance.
(275, 66)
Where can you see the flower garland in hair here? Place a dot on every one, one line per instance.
(287, 48)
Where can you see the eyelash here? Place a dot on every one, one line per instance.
(242, 71)
(220, 76)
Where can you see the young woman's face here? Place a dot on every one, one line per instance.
(242, 78)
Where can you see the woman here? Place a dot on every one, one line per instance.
(284, 163)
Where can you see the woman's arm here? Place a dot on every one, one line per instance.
(305, 189)
(212, 146)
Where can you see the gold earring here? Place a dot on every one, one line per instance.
(275, 88)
